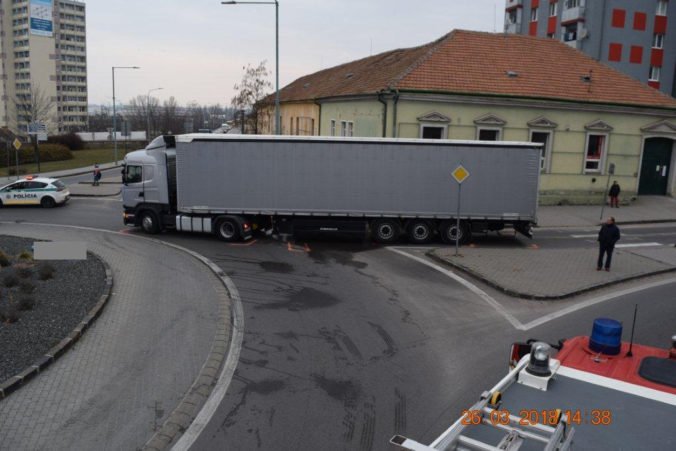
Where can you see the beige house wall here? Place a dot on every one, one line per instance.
(297, 118)
(564, 179)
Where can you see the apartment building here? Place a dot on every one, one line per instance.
(631, 36)
(44, 64)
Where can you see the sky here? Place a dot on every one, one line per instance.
(195, 50)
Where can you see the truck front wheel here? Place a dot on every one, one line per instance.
(150, 223)
(450, 233)
(386, 231)
(227, 229)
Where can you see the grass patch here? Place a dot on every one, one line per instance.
(81, 159)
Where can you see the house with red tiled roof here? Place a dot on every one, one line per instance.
(593, 121)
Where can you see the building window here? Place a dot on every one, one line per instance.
(553, 9)
(333, 127)
(550, 35)
(572, 4)
(346, 128)
(596, 148)
(658, 41)
(619, 16)
(512, 16)
(636, 54)
(543, 138)
(432, 131)
(570, 32)
(533, 14)
(615, 52)
(488, 134)
(640, 20)
(661, 8)
(654, 74)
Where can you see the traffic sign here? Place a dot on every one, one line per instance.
(17, 144)
(460, 174)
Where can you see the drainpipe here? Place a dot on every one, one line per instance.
(394, 113)
(319, 124)
(384, 102)
(602, 33)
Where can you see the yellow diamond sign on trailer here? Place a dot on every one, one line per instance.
(460, 174)
(17, 144)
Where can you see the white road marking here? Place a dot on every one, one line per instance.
(467, 284)
(594, 301)
(637, 245)
(592, 235)
(543, 319)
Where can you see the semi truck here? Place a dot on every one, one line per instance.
(233, 185)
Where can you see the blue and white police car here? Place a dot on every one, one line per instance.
(42, 191)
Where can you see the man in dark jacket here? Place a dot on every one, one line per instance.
(608, 236)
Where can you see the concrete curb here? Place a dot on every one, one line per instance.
(15, 382)
(534, 297)
(581, 226)
(96, 195)
(182, 417)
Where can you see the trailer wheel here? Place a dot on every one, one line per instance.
(450, 232)
(227, 229)
(420, 231)
(150, 223)
(386, 231)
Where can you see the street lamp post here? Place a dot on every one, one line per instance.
(278, 121)
(148, 111)
(114, 111)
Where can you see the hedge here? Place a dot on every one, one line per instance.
(48, 152)
(70, 140)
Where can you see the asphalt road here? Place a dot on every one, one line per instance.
(348, 343)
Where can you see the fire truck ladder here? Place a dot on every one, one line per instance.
(556, 437)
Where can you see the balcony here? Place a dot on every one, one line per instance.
(572, 14)
(512, 28)
(514, 3)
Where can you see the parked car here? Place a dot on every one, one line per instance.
(43, 191)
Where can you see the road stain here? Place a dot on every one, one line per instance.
(276, 267)
(340, 390)
(305, 299)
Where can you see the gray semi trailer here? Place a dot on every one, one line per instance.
(231, 185)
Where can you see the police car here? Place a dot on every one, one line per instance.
(41, 191)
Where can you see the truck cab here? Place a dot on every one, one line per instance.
(147, 194)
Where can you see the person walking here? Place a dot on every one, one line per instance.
(608, 236)
(97, 175)
(614, 193)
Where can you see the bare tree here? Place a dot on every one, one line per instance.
(35, 107)
(252, 93)
(170, 122)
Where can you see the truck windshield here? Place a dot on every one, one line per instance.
(133, 174)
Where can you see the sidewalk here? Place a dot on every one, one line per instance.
(644, 209)
(150, 358)
(65, 173)
(110, 186)
(533, 273)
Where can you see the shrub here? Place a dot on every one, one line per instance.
(26, 303)
(71, 140)
(23, 270)
(26, 287)
(10, 280)
(26, 256)
(46, 271)
(9, 313)
(48, 152)
(4, 259)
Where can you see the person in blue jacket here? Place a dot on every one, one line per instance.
(608, 236)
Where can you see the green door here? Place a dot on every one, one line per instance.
(655, 166)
